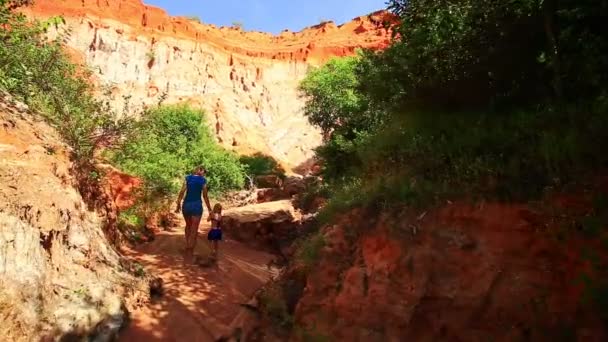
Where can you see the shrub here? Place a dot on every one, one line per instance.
(194, 18)
(39, 73)
(260, 164)
(332, 101)
(450, 109)
(309, 251)
(273, 305)
(166, 145)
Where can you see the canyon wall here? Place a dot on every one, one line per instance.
(59, 275)
(245, 81)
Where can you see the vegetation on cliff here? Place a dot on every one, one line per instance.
(500, 101)
(161, 148)
(496, 100)
(166, 145)
(40, 73)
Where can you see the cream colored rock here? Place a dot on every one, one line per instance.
(246, 81)
(275, 212)
(270, 226)
(58, 273)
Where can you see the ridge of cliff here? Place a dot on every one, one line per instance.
(246, 81)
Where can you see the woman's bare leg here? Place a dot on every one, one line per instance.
(193, 234)
(188, 252)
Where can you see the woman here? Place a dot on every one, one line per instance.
(192, 207)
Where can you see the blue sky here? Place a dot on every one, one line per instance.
(270, 15)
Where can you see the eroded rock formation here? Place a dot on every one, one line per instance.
(246, 81)
(59, 276)
(461, 273)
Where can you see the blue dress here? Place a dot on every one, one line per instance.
(193, 204)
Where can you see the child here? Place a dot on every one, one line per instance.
(215, 234)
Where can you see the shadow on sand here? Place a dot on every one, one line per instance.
(198, 303)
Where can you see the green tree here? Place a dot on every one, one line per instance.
(483, 98)
(260, 164)
(167, 144)
(332, 102)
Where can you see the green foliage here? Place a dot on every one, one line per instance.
(129, 218)
(454, 53)
(274, 306)
(498, 99)
(340, 155)
(39, 73)
(238, 24)
(309, 251)
(468, 99)
(151, 56)
(501, 53)
(260, 164)
(167, 144)
(332, 102)
(194, 18)
(312, 192)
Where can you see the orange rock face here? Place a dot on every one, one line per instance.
(246, 81)
(460, 273)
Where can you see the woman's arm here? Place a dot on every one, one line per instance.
(180, 197)
(206, 197)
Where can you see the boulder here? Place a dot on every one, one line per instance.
(268, 181)
(266, 225)
(270, 195)
(294, 185)
(275, 212)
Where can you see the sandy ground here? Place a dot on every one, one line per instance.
(198, 303)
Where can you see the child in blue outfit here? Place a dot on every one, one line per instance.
(215, 233)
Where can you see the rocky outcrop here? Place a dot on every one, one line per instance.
(246, 81)
(269, 225)
(122, 188)
(59, 276)
(461, 273)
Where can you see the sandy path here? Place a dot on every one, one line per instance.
(199, 303)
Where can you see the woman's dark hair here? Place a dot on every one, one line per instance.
(200, 168)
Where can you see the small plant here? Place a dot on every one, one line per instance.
(130, 218)
(194, 18)
(309, 251)
(274, 306)
(50, 150)
(81, 292)
(94, 175)
(238, 25)
(138, 270)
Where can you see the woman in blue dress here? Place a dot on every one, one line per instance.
(194, 186)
